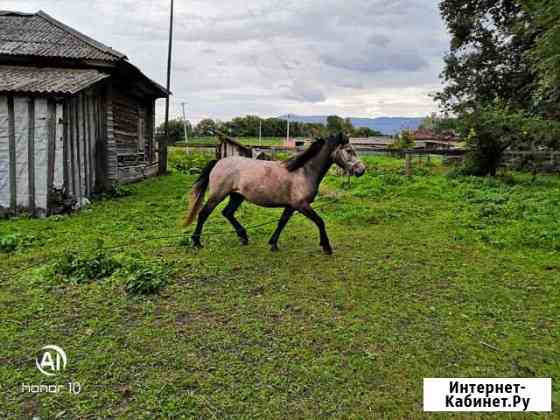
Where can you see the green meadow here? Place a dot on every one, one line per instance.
(433, 275)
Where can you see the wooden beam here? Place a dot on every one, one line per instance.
(12, 153)
(85, 143)
(79, 192)
(72, 141)
(65, 146)
(31, 154)
(51, 148)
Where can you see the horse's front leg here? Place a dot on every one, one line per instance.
(308, 212)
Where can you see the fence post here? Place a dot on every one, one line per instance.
(408, 164)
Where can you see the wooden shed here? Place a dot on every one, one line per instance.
(76, 116)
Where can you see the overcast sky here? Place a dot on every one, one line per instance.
(360, 58)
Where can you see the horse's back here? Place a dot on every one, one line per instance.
(262, 182)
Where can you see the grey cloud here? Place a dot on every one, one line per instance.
(374, 63)
(306, 91)
(271, 56)
(379, 40)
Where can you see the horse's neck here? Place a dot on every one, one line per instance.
(319, 165)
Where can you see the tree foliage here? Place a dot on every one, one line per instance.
(545, 54)
(502, 76)
(487, 60)
(492, 129)
(248, 126)
(176, 130)
(404, 141)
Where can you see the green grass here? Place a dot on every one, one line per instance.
(432, 276)
(266, 141)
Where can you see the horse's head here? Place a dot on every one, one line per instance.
(345, 156)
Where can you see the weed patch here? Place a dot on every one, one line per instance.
(11, 243)
(143, 277)
(76, 267)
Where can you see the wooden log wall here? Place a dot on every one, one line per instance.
(132, 131)
(47, 146)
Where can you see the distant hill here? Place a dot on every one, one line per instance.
(386, 125)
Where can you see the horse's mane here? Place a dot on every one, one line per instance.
(297, 161)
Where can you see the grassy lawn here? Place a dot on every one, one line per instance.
(432, 276)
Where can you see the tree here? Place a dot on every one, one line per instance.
(491, 130)
(404, 141)
(337, 124)
(205, 127)
(502, 75)
(176, 130)
(488, 58)
(545, 54)
(366, 132)
(440, 124)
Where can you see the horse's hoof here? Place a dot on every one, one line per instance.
(197, 245)
(327, 251)
(274, 248)
(244, 241)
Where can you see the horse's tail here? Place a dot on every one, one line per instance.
(196, 197)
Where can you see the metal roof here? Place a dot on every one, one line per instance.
(38, 34)
(63, 81)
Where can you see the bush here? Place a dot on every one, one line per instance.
(75, 267)
(14, 242)
(491, 130)
(117, 190)
(8, 243)
(144, 277)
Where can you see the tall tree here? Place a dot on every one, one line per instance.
(545, 54)
(488, 59)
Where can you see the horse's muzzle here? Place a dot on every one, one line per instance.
(358, 170)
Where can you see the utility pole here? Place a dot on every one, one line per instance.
(165, 141)
(185, 128)
(288, 130)
(260, 132)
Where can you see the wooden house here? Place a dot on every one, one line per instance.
(76, 116)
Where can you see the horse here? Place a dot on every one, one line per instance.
(291, 184)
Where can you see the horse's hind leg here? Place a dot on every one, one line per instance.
(235, 201)
(286, 214)
(208, 208)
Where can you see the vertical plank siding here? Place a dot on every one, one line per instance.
(31, 154)
(4, 156)
(12, 153)
(21, 134)
(77, 145)
(59, 158)
(51, 145)
(41, 154)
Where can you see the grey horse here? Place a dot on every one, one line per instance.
(291, 184)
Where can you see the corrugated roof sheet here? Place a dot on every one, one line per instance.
(47, 80)
(39, 34)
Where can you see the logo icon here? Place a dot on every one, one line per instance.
(51, 360)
